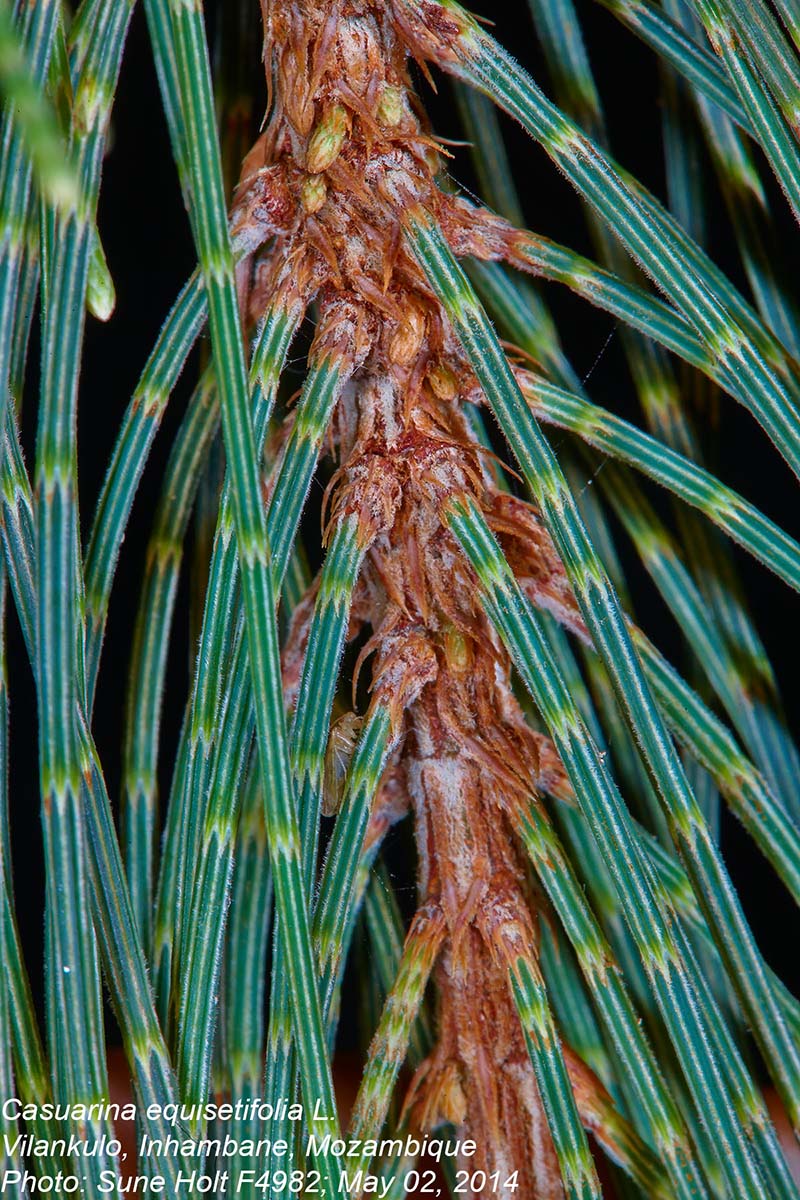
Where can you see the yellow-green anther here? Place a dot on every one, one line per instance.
(456, 651)
(313, 193)
(390, 106)
(327, 140)
(442, 381)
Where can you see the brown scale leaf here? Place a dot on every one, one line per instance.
(345, 148)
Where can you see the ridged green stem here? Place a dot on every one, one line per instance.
(310, 731)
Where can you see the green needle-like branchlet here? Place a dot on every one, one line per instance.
(9, 1127)
(249, 924)
(572, 1149)
(766, 726)
(672, 980)
(771, 131)
(334, 898)
(310, 729)
(790, 20)
(711, 744)
(122, 955)
(339, 894)
(386, 932)
(193, 86)
(575, 1017)
(213, 810)
(214, 860)
(120, 943)
(559, 27)
(276, 334)
(731, 331)
(621, 440)
(765, 44)
(138, 429)
(606, 624)
(662, 559)
(34, 121)
(76, 1036)
(390, 1043)
(33, 38)
(693, 61)
(233, 719)
(148, 664)
(638, 310)
(607, 986)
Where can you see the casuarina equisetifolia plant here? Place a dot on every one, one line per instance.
(409, 603)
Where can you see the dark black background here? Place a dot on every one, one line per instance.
(149, 251)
